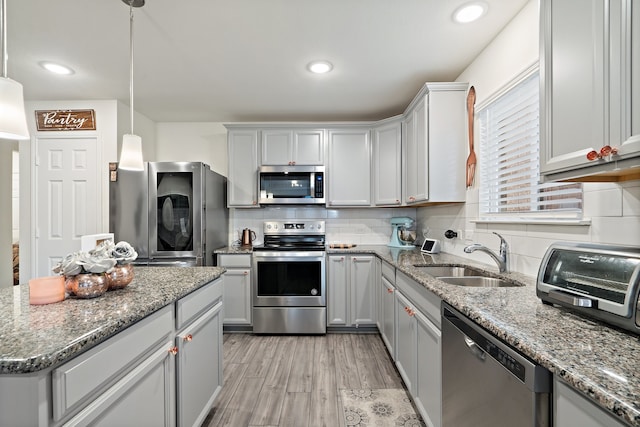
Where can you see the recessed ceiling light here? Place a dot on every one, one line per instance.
(56, 68)
(320, 67)
(469, 12)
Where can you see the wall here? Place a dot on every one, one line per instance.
(614, 209)
(6, 241)
(142, 126)
(193, 142)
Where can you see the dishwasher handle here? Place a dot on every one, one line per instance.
(475, 348)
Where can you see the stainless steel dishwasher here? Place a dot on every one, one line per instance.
(485, 382)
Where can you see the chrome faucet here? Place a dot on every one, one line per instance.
(501, 259)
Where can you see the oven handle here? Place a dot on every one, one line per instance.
(289, 255)
(572, 299)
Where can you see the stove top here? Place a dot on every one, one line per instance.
(293, 235)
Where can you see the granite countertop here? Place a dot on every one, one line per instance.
(36, 337)
(598, 361)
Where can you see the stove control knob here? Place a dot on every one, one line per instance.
(314, 292)
(268, 226)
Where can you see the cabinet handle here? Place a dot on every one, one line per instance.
(173, 350)
(397, 201)
(606, 151)
(187, 338)
(411, 312)
(412, 199)
(255, 202)
(245, 273)
(406, 309)
(354, 259)
(390, 291)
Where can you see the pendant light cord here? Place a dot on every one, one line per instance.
(130, 62)
(3, 22)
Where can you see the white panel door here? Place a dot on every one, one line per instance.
(67, 197)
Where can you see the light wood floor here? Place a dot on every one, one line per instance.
(296, 380)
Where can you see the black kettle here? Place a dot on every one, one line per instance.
(248, 236)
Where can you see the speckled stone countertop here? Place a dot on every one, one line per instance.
(36, 337)
(598, 361)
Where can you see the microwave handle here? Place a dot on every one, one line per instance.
(573, 299)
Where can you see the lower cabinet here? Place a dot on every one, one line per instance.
(237, 288)
(351, 290)
(418, 347)
(386, 314)
(571, 409)
(199, 379)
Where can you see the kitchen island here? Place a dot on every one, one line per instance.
(596, 360)
(50, 354)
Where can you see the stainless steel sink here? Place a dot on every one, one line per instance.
(449, 271)
(479, 281)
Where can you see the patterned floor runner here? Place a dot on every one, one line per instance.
(379, 408)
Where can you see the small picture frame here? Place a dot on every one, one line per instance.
(91, 241)
(430, 246)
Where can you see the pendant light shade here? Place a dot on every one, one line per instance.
(131, 152)
(13, 120)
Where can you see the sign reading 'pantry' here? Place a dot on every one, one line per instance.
(65, 120)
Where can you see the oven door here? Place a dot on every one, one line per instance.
(289, 279)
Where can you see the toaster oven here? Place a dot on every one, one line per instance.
(601, 281)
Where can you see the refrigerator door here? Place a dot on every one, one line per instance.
(176, 206)
(129, 209)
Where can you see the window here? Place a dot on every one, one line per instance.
(510, 187)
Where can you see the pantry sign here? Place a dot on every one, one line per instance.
(67, 120)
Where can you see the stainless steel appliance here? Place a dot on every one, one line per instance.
(485, 382)
(289, 285)
(601, 281)
(173, 213)
(291, 185)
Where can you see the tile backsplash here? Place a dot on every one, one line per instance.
(370, 226)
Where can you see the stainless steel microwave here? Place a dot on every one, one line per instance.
(291, 185)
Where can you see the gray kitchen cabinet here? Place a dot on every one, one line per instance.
(418, 346)
(433, 146)
(237, 288)
(387, 163)
(351, 290)
(242, 183)
(405, 333)
(349, 167)
(571, 409)
(286, 146)
(590, 68)
(199, 376)
(386, 310)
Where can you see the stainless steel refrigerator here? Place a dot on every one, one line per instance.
(173, 213)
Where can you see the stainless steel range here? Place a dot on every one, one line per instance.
(289, 286)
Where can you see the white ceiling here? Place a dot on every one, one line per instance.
(244, 60)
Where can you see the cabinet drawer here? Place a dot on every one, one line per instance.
(389, 272)
(197, 302)
(426, 301)
(226, 260)
(90, 372)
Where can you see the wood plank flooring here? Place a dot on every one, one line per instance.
(296, 380)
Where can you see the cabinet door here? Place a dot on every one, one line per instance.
(242, 185)
(428, 395)
(349, 174)
(237, 296)
(387, 165)
(574, 105)
(277, 147)
(387, 315)
(571, 409)
(337, 290)
(144, 397)
(199, 367)
(416, 154)
(362, 290)
(308, 147)
(631, 79)
(405, 332)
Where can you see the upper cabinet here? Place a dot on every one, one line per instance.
(434, 148)
(303, 147)
(387, 163)
(590, 95)
(349, 168)
(242, 183)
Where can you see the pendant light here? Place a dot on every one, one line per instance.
(131, 153)
(13, 121)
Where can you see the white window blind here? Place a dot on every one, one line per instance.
(510, 185)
